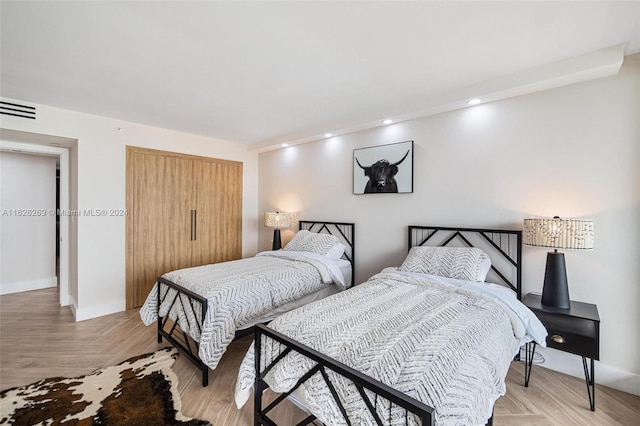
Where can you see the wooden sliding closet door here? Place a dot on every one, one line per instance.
(182, 211)
(177, 203)
(162, 193)
(219, 212)
(147, 242)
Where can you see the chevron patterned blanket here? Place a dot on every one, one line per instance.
(238, 292)
(448, 347)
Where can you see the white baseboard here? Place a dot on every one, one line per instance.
(606, 375)
(20, 286)
(93, 311)
(73, 306)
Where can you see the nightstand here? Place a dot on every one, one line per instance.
(575, 330)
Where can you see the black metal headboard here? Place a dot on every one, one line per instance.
(345, 232)
(504, 248)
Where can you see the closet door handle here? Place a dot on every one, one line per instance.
(192, 224)
(195, 225)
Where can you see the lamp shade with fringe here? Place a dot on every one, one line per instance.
(557, 233)
(277, 221)
(571, 234)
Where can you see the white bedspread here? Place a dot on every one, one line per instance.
(240, 291)
(441, 343)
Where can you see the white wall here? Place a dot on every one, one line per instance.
(572, 151)
(98, 161)
(27, 222)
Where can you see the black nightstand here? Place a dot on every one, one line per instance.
(575, 330)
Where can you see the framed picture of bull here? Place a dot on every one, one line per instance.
(383, 169)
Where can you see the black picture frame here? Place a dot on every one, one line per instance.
(383, 169)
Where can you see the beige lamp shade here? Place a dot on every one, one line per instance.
(573, 234)
(276, 220)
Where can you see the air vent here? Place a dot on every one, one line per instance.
(17, 110)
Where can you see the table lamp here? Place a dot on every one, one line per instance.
(276, 220)
(557, 233)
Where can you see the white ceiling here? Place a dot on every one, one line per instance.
(266, 72)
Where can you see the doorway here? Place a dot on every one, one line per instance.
(58, 147)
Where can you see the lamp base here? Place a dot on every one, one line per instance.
(277, 243)
(555, 292)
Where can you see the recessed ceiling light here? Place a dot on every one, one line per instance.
(284, 145)
(387, 121)
(327, 135)
(474, 101)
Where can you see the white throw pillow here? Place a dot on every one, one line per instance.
(314, 243)
(463, 263)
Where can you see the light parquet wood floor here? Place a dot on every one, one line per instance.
(40, 339)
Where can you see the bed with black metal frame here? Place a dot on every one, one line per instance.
(197, 304)
(504, 247)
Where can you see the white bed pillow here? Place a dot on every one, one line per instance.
(314, 243)
(485, 267)
(336, 251)
(463, 263)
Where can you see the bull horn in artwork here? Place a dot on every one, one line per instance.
(386, 161)
(405, 156)
(361, 166)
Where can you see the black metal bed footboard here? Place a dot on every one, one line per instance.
(366, 386)
(194, 308)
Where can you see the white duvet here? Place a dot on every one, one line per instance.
(447, 343)
(239, 292)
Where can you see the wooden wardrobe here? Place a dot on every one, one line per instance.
(183, 211)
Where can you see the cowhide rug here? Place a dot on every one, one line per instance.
(139, 391)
